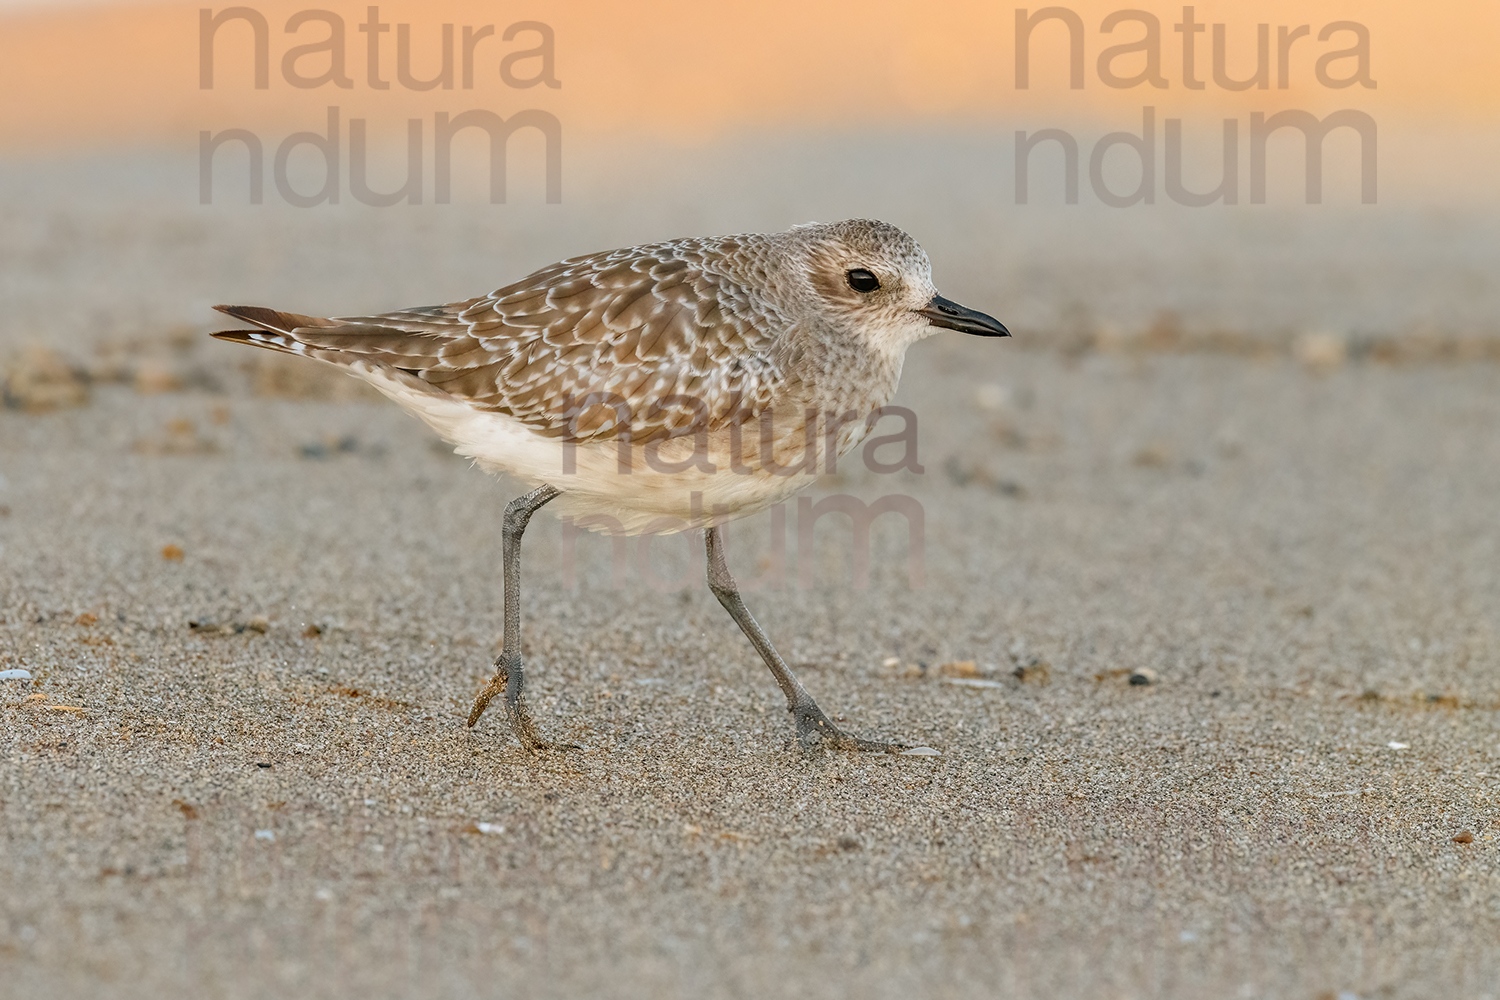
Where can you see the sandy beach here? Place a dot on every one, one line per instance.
(1254, 472)
(283, 799)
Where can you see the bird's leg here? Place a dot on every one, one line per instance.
(509, 668)
(813, 727)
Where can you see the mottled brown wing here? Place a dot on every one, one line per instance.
(650, 341)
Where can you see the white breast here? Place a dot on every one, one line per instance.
(607, 487)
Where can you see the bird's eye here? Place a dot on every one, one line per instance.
(862, 281)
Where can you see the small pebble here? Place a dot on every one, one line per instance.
(172, 553)
(959, 668)
(40, 379)
(153, 377)
(1143, 676)
(921, 752)
(1033, 671)
(491, 829)
(1154, 456)
(973, 682)
(259, 624)
(1398, 746)
(991, 397)
(1464, 837)
(329, 446)
(1321, 351)
(267, 835)
(15, 675)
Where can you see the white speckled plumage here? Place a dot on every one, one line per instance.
(656, 386)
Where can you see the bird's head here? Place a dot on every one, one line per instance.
(873, 278)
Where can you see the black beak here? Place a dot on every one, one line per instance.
(952, 316)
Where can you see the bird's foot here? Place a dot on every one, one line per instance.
(816, 730)
(507, 683)
(494, 687)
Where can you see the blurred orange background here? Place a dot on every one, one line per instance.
(688, 70)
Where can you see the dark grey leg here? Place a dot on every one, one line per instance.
(509, 668)
(813, 727)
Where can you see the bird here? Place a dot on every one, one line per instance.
(664, 387)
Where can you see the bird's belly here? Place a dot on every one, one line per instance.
(658, 487)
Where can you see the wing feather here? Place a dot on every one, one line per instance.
(575, 347)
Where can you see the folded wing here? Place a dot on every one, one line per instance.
(646, 343)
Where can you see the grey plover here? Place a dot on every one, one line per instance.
(662, 387)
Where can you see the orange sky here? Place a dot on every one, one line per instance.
(689, 70)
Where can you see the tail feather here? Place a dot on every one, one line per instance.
(274, 319)
(277, 328)
(286, 332)
(260, 338)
